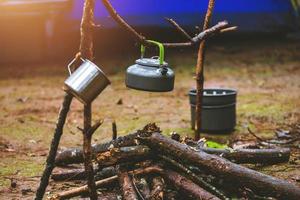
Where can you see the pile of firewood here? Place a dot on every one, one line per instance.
(149, 165)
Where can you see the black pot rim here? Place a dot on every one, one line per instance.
(231, 92)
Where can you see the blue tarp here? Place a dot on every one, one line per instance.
(249, 15)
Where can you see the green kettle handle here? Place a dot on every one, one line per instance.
(161, 50)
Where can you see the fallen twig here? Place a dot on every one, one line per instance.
(272, 141)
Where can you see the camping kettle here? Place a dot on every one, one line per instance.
(150, 74)
(86, 82)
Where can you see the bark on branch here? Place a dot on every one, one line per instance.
(123, 154)
(86, 51)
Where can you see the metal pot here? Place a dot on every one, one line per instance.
(86, 82)
(218, 110)
(150, 74)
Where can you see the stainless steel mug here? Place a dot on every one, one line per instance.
(86, 82)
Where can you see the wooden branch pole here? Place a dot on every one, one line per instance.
(50, 163)
(259, 183)
(86, 51)
(199, 70)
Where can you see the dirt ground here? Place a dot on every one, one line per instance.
(266, 75)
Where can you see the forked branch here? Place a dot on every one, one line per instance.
(218, 28)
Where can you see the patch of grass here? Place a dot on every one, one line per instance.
(13, 166)
(263, 105)
(24, 131)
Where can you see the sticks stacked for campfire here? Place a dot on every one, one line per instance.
(148, 165)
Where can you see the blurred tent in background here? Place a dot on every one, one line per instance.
(34, 30)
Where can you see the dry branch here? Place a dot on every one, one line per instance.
(50, 163)
(141, 39)
(86, 51)
(260, 183)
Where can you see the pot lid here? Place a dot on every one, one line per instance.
(152, 62)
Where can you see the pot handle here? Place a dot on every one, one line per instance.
(72, 63)
(161, 50)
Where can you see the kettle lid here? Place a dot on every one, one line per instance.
(151, 62)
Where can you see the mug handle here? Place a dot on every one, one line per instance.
(72, 63)
(161, 50)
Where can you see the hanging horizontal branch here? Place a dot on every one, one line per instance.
(218, 28)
